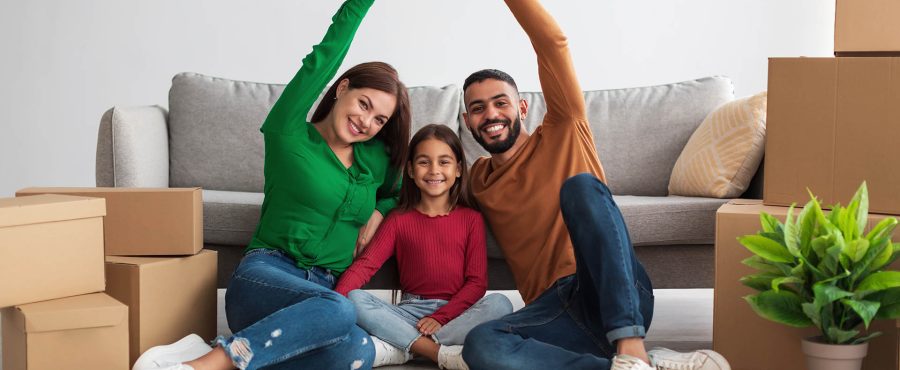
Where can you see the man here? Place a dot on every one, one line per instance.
(589, 301)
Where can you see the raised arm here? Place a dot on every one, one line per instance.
(318, 68)
(565, 100)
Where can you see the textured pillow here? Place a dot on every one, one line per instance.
(724, 152)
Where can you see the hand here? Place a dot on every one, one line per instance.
(367, 232)
(428, 326)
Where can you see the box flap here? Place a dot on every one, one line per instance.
(79, 312)
(137, 261)
(68, 190)
(48, 208)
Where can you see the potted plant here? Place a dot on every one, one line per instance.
(822, 269)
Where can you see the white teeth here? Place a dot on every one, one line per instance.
(493, 129)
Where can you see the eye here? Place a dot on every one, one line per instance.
(422, 163)
(381, 121)
(501, 103)
(445, 163)
(363, 104)
(477, 109)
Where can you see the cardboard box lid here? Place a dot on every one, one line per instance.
(45, 190)
(48, 208)
(151, 260)
(79, 312)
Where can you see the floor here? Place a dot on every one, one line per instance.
(682, 320)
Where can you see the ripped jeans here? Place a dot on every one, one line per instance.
(284, 317)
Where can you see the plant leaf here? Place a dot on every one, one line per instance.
(879, 281)
(807, 223)
(862, 211)
(825, 294)
(770, 224)
(782, 307)
(814, 315)
(792, 233)
(761, 282)
(766, 248)
(760, 264)
(776, 283)
(856, 249)
(866, 338)
(838, 336)
(865, 309)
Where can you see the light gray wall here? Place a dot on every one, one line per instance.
(65, 62)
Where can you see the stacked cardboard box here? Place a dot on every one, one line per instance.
(832, 123)
(132, 244)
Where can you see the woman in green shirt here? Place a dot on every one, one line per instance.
(328, 183)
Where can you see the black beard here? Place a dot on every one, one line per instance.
(501, 146)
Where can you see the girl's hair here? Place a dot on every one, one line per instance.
(410, 195)
(379, 76)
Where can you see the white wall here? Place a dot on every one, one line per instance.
(65, 62)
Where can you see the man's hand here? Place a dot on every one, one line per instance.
(428, 326)
(367, 232)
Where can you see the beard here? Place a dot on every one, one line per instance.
(500, 146)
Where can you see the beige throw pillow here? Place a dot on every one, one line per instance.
(724, 152)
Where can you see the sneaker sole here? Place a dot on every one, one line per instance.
(145, 361)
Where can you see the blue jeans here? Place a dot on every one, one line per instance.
(284, 317)
(397, 324)
(575, 323)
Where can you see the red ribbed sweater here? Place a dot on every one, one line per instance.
(441, 257)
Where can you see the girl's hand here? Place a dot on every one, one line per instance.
(367, 232)
(428, 326)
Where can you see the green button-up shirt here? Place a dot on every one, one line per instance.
(314, 206)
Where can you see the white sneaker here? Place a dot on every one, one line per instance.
(170, 356)
(387, 354)
(626, 362)
(450, 358)
(666, 359)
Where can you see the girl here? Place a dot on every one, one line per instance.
(327, 183)
(440, 247)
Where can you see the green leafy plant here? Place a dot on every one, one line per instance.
(822, 269)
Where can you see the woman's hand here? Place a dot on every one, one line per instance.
(367, 232)
(428, 326)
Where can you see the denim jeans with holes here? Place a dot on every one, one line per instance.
(397, 324)
(284, 317)
(575, 323)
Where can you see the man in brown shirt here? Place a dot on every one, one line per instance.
(589, 301)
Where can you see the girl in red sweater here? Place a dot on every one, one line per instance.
(439, 242)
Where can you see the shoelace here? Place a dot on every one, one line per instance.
(676, 365)
(630, 362)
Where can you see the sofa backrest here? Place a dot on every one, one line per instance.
(214, 138)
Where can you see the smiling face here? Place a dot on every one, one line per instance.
(359, 114)
(493, 114)
(434, 168)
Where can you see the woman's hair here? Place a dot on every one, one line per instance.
(410, 195)
(379, 76)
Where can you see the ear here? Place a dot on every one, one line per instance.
(466, 118)
(342, 87)
(523, 109)
(409, 171)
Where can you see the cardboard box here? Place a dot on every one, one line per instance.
(83, 332)
(168, 298)
(866, 26)
(832, 123)
(51, 246)
(748, 341)
(146, 222)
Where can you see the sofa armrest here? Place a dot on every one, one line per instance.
(133, 147)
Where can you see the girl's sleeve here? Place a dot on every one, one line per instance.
(376, 253)
(318, 68)
(476, 275)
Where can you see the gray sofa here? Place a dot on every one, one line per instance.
(210, 138)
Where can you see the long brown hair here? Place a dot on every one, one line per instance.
(410, 195)
(379, 76)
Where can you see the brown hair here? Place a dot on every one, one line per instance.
(379, 76)
(410, 195)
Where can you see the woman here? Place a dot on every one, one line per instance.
(328, 184)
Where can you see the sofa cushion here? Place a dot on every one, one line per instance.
(669, 220)
(214, 138)
(230, 217)
(722, 155)
(639, 132)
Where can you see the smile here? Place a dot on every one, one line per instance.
(354, 129)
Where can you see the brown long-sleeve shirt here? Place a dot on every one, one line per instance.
(520, 198)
